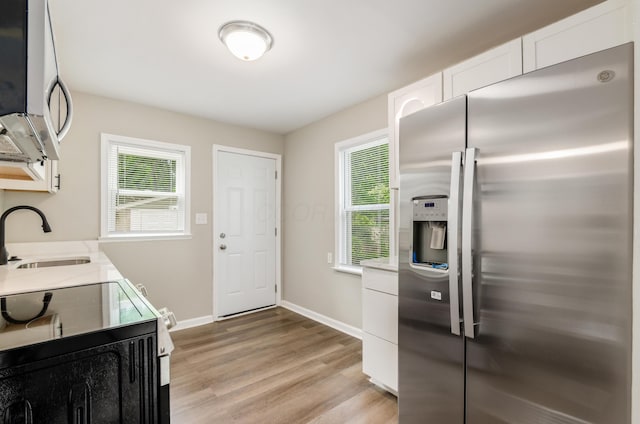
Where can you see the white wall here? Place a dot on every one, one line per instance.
(177, 273)
(309, 281)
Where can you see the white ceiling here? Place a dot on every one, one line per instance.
(327, 54)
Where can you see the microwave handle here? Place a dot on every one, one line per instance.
(62, 132)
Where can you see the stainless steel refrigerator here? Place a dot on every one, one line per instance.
(515, 237)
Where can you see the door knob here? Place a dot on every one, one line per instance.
(222, 235)
(223, 247)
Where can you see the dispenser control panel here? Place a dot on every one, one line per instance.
(430, 209)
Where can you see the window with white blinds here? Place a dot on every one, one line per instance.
(363, 199)
(145, 188)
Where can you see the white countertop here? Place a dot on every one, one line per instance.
(387, 264)
(13, 280)
(98, 270)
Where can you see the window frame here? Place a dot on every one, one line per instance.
(157, 149)
(341, 249)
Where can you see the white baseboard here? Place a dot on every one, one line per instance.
(193, 322)
(323, 319)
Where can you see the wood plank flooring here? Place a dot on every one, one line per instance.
(273, 367)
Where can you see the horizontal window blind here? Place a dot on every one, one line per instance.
(369, 234)
(365, 204)
(146, 190)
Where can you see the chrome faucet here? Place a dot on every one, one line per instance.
(4, 255)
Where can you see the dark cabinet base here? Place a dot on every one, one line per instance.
(112, 383)
(164, 402)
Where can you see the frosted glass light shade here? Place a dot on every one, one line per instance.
(245, 40)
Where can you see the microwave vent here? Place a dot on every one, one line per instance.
(7, 146)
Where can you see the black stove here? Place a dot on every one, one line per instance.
(97, 343)
(71, 312)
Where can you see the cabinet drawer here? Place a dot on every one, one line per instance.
(380, 315)
(380, 360)
(384, 281)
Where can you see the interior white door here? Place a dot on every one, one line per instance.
(245, 223)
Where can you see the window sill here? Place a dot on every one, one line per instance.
(355, 270)
(111, 239)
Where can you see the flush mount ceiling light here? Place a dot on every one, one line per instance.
(245, 40)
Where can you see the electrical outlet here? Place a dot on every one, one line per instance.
(329, 258)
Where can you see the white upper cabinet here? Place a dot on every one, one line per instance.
(497, 64)
(403, 102)
(605, 25)
(600, 27)
(17, 178)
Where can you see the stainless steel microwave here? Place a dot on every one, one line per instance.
(35, 104)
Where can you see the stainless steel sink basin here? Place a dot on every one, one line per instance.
(55, 262)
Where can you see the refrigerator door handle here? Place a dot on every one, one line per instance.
(467, 233)
(452, 241)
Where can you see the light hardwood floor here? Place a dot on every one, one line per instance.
(273, 367)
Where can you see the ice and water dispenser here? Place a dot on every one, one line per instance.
(429, 224)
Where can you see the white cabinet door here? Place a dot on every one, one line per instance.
(380, 360)
(600, 27)
(494, 65)
(380, 280)
(403, 102)
(380, 315)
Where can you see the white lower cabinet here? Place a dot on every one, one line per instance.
(380, 326)
(380, 314)
(380, 361)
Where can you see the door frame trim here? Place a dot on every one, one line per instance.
(217, 148)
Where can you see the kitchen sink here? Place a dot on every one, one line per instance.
(55, 262)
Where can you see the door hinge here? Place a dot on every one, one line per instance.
(276, 288)
(276, 231)
(276, 175)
